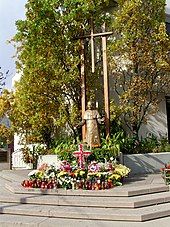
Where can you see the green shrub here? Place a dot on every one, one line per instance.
(109, 148)
(149, 144)
(64, 148)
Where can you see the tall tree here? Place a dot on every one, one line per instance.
(6, 132)
(3, 76)
(48, 57)
(141, 63)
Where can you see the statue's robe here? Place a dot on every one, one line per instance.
(92, 118)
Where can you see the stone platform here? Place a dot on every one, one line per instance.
(142, 201)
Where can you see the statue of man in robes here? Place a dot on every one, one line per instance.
(92, 119)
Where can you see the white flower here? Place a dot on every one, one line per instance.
(52, 174)
(33, 172)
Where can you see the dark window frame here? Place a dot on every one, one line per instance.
(168, 115)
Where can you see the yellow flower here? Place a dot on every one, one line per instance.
(62, 173)
(82, 173)
(114, 176)
(121, 170)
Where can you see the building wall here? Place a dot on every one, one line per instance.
(157, 123)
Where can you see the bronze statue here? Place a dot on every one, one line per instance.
(91, 119)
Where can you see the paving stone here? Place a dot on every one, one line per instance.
(94, 198)
(131, 202)
(20, 221)
(27, 221)
(60, 206)
(117, 191)
(11, 175)
(25, 209)
(140, 214)
(56, 222)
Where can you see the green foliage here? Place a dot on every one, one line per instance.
(150, 144)
(64, 148)
(48, 58)
(139, 60)
(6, 132)
(31, 154)
(114, 144)
(167, 148)
(110, 148)
(48, 96)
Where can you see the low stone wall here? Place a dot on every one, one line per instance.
(146, 163)
(138, 163)
(49, 159)
(4, 166)
(17, 161)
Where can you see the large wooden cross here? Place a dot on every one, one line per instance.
(104, 35)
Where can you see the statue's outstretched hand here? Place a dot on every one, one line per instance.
(101, 120)
(76, 126)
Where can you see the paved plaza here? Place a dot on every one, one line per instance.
(33, 213)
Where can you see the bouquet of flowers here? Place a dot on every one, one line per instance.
(166, 173)
(44, 177)
(96, 177)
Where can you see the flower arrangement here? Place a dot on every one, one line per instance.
(166, 173)
(97, 176)
(44, 177)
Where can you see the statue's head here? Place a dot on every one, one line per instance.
(90, 105)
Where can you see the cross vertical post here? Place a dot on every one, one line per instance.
(83, 85)
(92, 48)
(106, 84)
(91, 36)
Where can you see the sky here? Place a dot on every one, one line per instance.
(10, 11)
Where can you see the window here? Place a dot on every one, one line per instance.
(168, 115)
(168, 27)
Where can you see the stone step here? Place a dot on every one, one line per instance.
(121, 191)
(127, 206)
(87, 213)
(13, 176)
(83, 201)
(7, 220)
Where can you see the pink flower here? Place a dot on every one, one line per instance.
(65, 166)
(93, 167)
(43, 167)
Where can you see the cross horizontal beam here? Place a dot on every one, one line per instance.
(95, 35)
